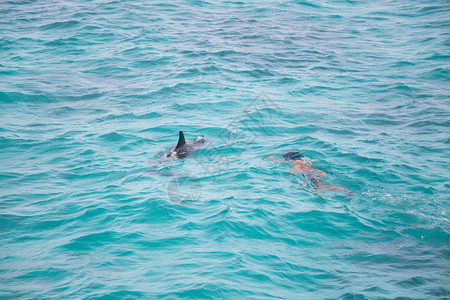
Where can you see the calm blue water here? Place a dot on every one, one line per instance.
(93, 92)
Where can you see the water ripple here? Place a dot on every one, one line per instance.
(93, 93)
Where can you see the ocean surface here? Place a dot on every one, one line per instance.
(92, 94)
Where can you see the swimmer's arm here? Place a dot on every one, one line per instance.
(320, 171)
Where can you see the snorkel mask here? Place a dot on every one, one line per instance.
(294, 156)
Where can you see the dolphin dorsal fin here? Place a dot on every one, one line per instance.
(181, 140)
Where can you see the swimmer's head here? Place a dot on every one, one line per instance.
(293, 155)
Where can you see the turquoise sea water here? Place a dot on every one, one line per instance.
(93, 92)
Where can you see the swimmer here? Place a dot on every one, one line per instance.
(311, 174)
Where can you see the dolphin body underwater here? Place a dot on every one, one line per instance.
(183, 148)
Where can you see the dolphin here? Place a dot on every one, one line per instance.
(183, 147)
